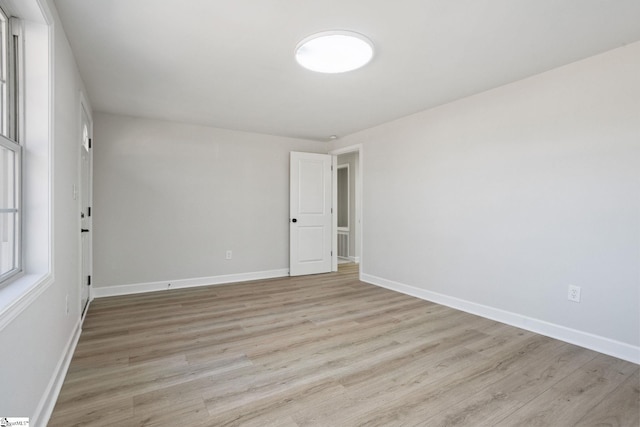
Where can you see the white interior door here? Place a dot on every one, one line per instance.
(310, 217)
(85, 211)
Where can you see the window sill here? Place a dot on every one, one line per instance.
(19, 294)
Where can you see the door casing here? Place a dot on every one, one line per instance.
(85, 205)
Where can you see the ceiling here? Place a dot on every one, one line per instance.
(230, 64)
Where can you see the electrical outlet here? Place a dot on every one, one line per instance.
(229, 254)
(574, 293)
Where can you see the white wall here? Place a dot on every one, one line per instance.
(38, 339)
(171, 198)
(499, 201)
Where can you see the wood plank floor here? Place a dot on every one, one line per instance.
(328, 350)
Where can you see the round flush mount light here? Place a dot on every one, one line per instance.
(334, 51)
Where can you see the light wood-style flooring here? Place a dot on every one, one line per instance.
(328, 350)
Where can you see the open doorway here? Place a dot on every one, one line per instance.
(345, 223)
(348, 233)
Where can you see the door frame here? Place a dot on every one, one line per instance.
(359, 206)
(85, 111)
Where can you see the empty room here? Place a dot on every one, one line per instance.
(335, 213)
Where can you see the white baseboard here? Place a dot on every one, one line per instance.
(50, 397)
(583, 339)
(355, 259)
(138, 288)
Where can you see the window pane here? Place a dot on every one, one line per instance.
(10, 262)
(8, 210)
(85, 138)
(4, 35)
(8, 253)
(7, 179)
(3, 108)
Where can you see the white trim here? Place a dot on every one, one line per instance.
(19, 295)
(23, 291)
(583, 339)
(355, 259)
(346, 150)
(85, 109)
(138, 288)
(50, 396)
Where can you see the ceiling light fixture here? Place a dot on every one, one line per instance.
(334, 51)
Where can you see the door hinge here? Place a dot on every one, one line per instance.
(89, 211)
(90, 142)
(88, 280)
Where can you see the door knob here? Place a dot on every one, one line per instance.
(294, 220)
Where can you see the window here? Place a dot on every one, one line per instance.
(10, 156)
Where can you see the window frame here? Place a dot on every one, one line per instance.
(10, 54)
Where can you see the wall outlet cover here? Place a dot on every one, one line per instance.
(574, 293)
